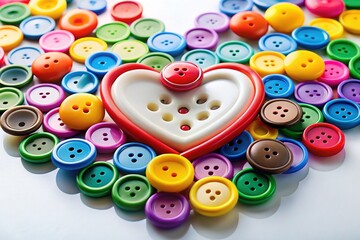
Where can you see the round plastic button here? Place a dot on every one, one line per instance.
(127, 11)
(350, 4)
(278, 86)
(81, 110)
(24, 55)
(130, 50)
(265, 4)
(84, 47)
(342, 50)
(133, 157)
(53, 9)
(52, 123)
(10, 97)
(14, 13)
(254, 187)
(170, 173)
(335, 72)
(312, 38)
(231, 7)
(331, 26)
(131, 192)
(15, 76)
(212, 164)
(354, 66)
(323, 139)
(99, 63)
(327, 8)
(73, 154)
(80, 82)
(113, 32)
(202, 57)
(2, 56)
(249, 25)
(351, 20)
(156, 60)
(277, 42)
(34, 27)
(267, 62)
(56, 41)
(45, 96)
(10, 37)
(97, 179)
(37, 148)
(260, 130)
(143, 28)
(235, 150)
(314, 93)
(96, 6)
(213, 20)
(21, 120)
(201, 38)
(167, 210)
(213, 196)
(303, 65)
(79, 22)
(167, 42)
(299, 152)
(234, 51)
(350, 89)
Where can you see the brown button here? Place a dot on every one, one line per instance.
(280, 113)
(269, 155)
(21, 120)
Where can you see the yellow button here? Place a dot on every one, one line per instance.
(81, 110)
(331, 26)
(84, 47)
(351, 21)
(213, 196)
(170, 173)
(284, 17)
(50, 8)
(10, 37)
(304, 65)
(267, 62)
(130, 50)
(260, 130)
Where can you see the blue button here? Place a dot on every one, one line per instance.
(80, 82)
(133, 157)
(34, 27)
(278, 86)
(235, 150)
(202, 57)
(99, 63)
(299, 152)
(73, 154)
(24, 55)
(265, 4)
(234, 51)
(231, 7)
(167, 42)
(96, 6)
(311, 38)
(342, 112)
(277, 42)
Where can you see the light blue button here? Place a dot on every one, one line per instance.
(278, 86)
(265, 4)
(167, 42)
(235, 150)
(99, 63)
(299, 152)
(80, 82)
(96, 6)
(201, 57)
(311, 38)
(234, 51)
(231, 7)
(34, 27)
(24, 55)
(277, 42)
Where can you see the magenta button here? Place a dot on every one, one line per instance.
(314, 93)
(52, 123)
(213, 164)
(325, 8)
(218, 22)
(335, 72)
(45, 96)
(201, 38)
(56, 41)
(350, 89)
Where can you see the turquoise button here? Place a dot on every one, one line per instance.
(234, 51)
(201, 57)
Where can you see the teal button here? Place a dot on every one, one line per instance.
(10, 97)
(113, 32)
(156, 60)
(234, 51)
(201, 57)
(143, 28)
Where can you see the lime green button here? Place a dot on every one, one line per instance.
(15, 76)
(234, 51)
(254, 187)
(37, 148)
(97, 179)
(202, 57)
(342, 50)
(354, 66)
(14, 13)
(10, 97)
(130, 50)
(143, 28)
(113, 32)
(352, 4)
(131, 192)
(156, 60)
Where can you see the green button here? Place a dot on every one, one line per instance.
(113, 32)
(234, 51)
(131, 192)
(156, 60)
(97, 179)
(10, 97)
(254, 187)
(37, 147)
(201, 57)
(130, 50)
(14, 13)
(352, 4)
(143, 28)
(342, 50)
(311, 115)
(354, 66)
(15, 76)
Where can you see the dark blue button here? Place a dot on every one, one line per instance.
(342, 112)
(24, 55)
(133, 157)
(235, 150)
(167, 42)
(311, 38)
(265, 4)
(96, 6)
(202, 57)
(73, 154)
(99, 63)
(277, 42)
(80, 82)
(231, 7)
(278, 86)
(36, 26)
(299, 152)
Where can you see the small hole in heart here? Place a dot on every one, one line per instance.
(152, 107)
(214, 105)
(183, 110)
(202, 99)
(202, 116)
(185, 126)
(167, 117)
(165, 99)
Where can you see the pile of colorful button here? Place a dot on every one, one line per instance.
(308, 99)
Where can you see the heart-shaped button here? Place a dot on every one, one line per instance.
(189, 123)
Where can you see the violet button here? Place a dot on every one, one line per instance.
(201, 38)
(213, 164)
(314, 93)
(218, 22)
(53, 124)
(299, 152)
(45, 96)
(350, 89)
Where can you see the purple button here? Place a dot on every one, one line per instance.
(299, 152)
(45, 96)
(314, 93)
(350, 89)
(56, 41)
(218, 22)
(201, 38)
(167, 210)
(106, 136)
(213, 164)
(335, 72)
(52, 123)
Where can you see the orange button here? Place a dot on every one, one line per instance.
(79, 22)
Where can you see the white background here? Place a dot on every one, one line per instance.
(320, 202)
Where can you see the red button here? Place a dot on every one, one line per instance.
(249, 25)
(127, 11)
(323, 139)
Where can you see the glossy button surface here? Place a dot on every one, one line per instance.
(213, 20)
(331, 26)
(143, 28)
(113, 32)
(96, 6)
(84, 47)
(260, 130)
(56, 41)
(202, 57)
(265, 4)
(231, 7)
(201, 38)
(15, 76)
(24, 55)
(342, 50)
(212, 164)
(235, 150)
(50, 8)
(52, 123)
(80, 82)
(249, 25)
(10, 97)
(350, 19)
(14, 13)
(267, 62)
(315, 93)
(36, 26)
(156, 60)
(278, 86)
(167, 42)
(234, 51)
(10, 37)
(45, 96)
(126, 11)
(354, 66)
(350, 89)
(309, 37)
(79, 22)
(325, 8)
(99, 63)
(335, 72)
(299, 152)
(277, 42)
(130, 50)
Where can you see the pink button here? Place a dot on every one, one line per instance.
(45, 96)
(56, 41)
(52, 123)
(2, 56)
(213, 164)
(325, 8)
(335, 72)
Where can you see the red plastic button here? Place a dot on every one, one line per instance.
(249, 25)
(127, 11)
